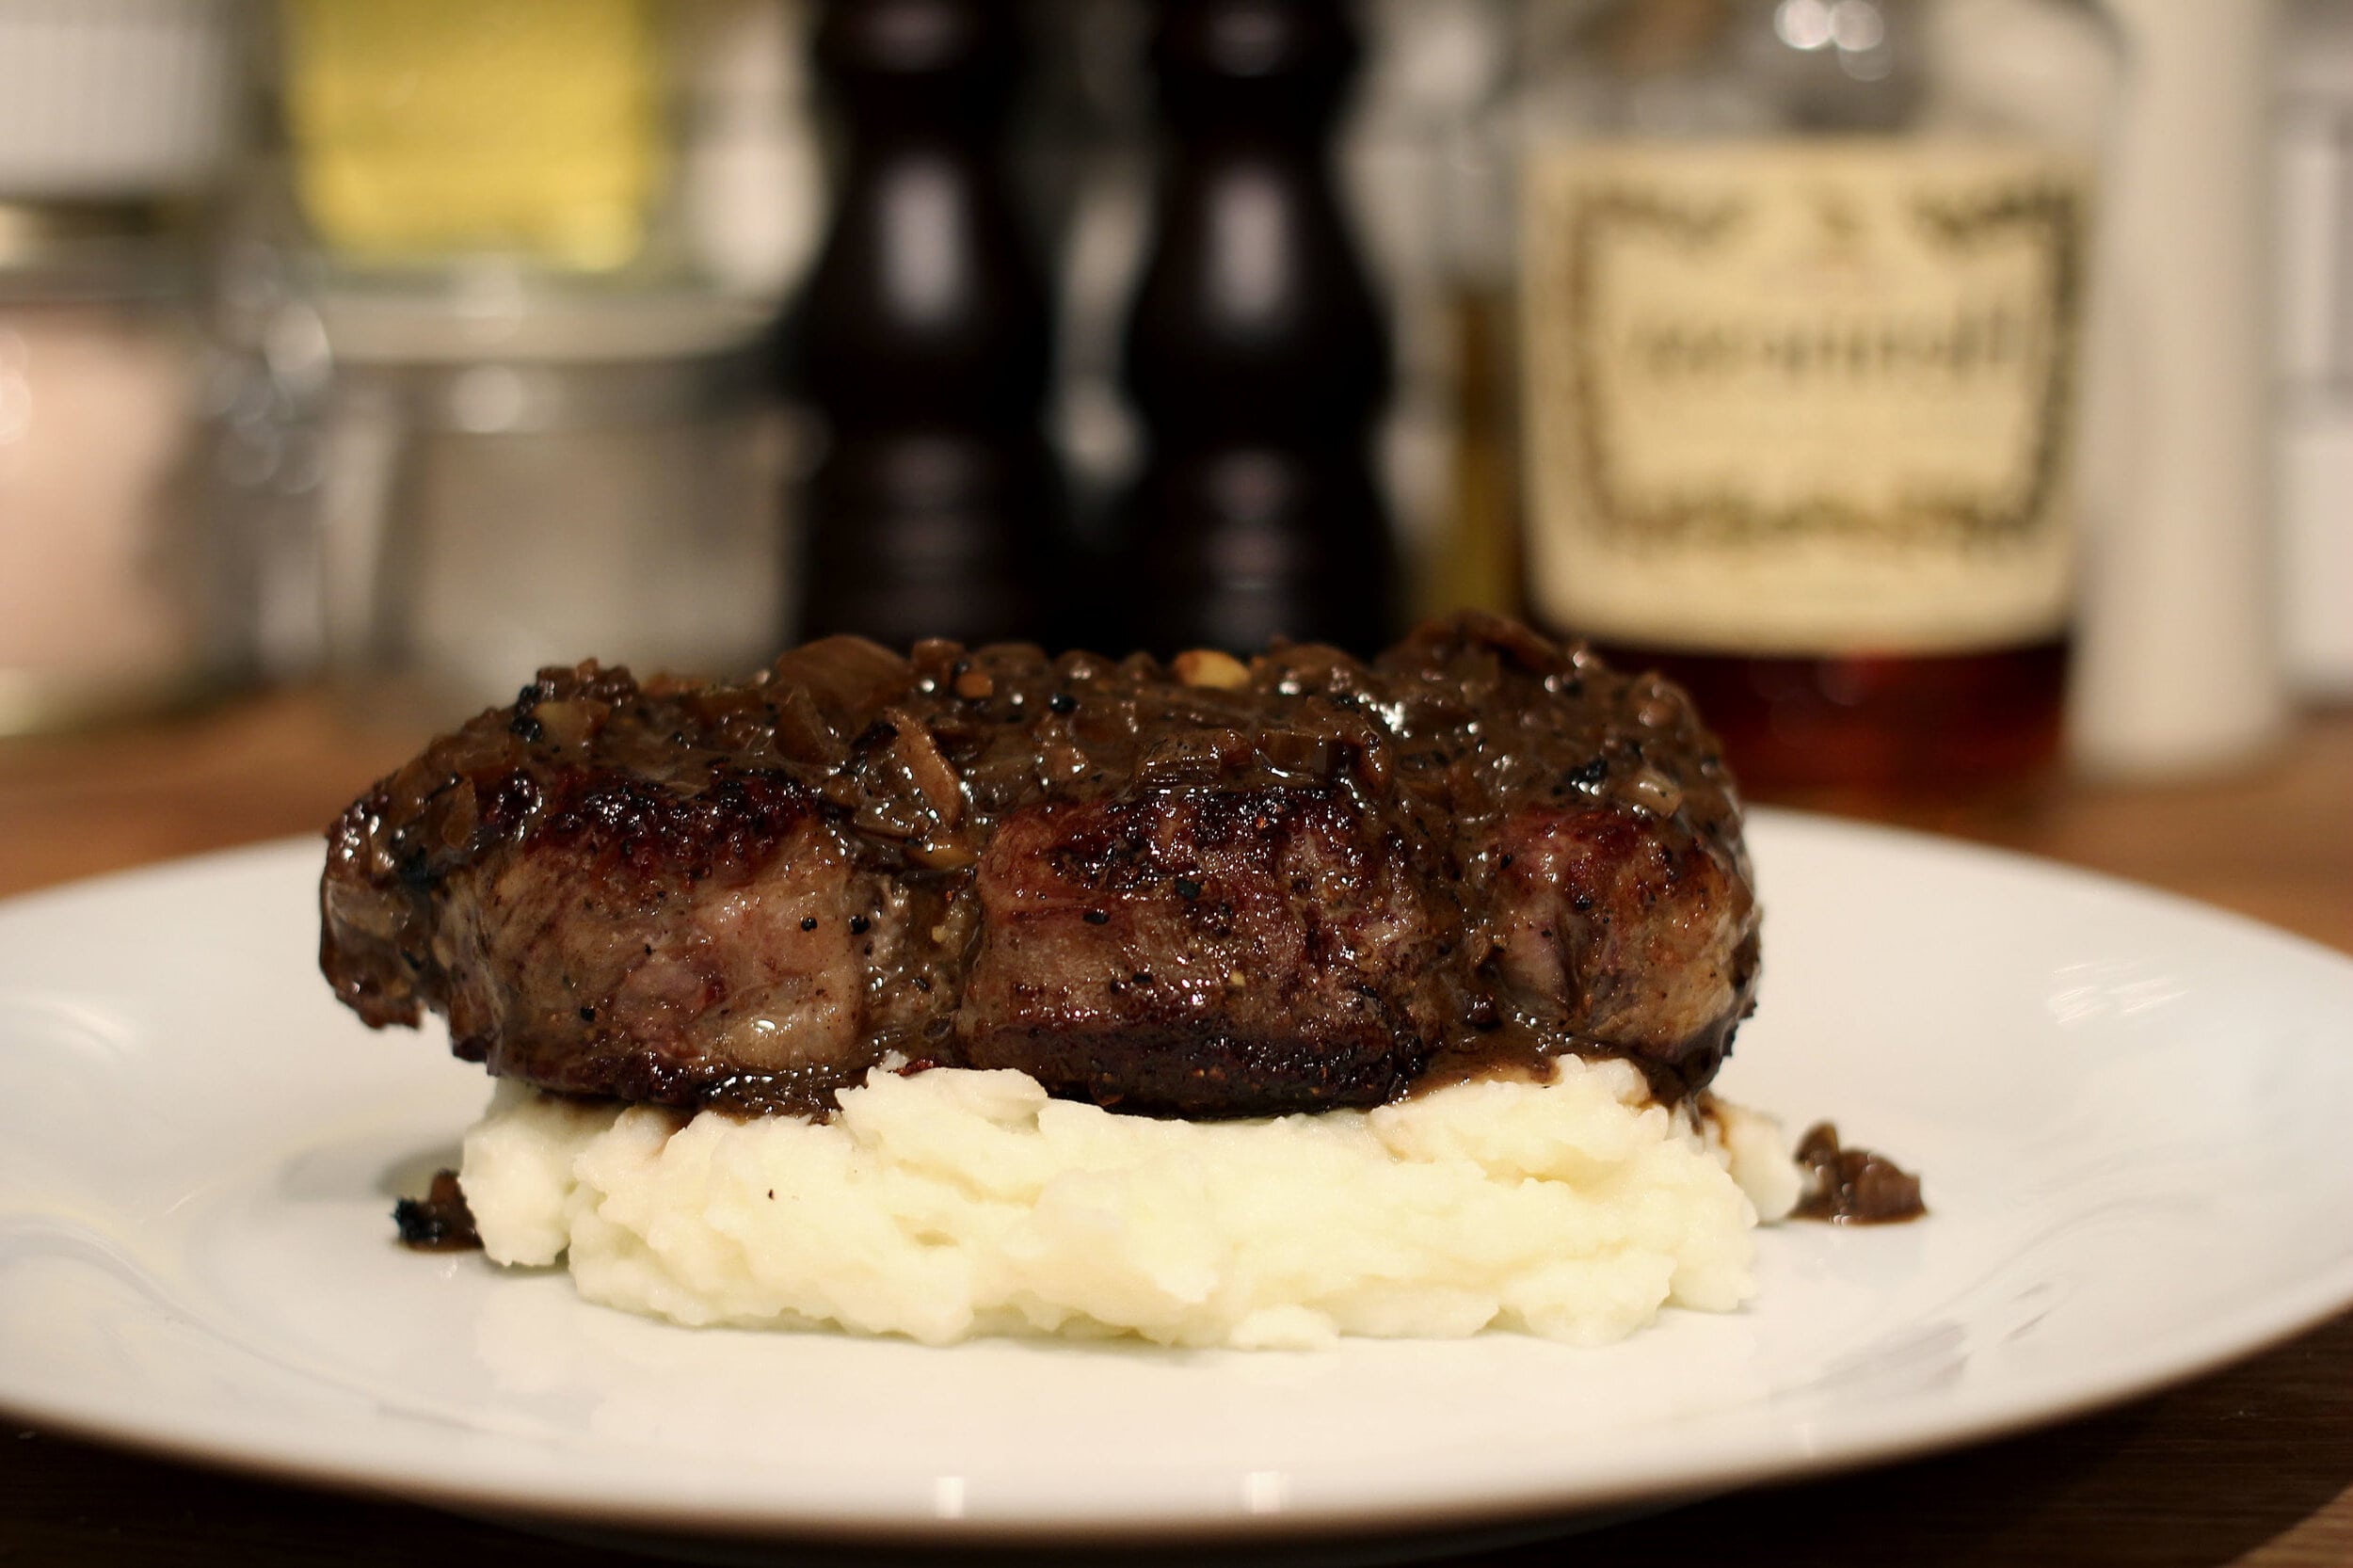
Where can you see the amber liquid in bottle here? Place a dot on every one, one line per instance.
(1476, 564)
(1863, 728)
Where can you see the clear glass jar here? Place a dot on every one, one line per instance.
(104, 570)
(519, 481)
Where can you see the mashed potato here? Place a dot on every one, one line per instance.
(948, 1203)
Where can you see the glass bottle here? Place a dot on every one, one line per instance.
(1801, 290)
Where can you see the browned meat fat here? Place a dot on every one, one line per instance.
(1206, 889)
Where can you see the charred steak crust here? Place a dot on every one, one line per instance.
(1205, 889)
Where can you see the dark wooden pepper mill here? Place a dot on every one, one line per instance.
(1256, 352)
(923, 341)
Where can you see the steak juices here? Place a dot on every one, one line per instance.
(1201, 891)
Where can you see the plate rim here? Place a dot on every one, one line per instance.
(1174, 1526)
(1852, 1444)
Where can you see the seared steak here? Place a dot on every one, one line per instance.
(1206, 889)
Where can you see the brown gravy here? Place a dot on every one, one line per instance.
(1846, 1185)
(439, 1221)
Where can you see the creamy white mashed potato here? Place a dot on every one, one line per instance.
(949, 1203)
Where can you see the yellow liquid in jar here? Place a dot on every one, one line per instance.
(428, 128)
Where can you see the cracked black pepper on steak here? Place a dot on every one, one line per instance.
(1202, 889)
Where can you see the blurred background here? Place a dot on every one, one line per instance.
(1951, 390)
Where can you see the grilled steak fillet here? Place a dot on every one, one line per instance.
(1208, 890)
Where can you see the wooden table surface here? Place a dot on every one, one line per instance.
(2251, 1466)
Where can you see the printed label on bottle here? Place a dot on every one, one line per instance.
(1802, 397)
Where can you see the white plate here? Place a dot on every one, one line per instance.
(2130, 1112)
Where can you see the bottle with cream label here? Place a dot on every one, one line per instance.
(1802, 296)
